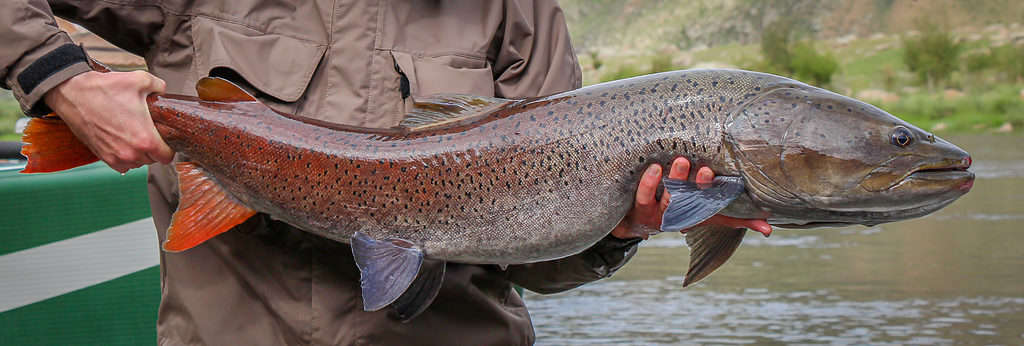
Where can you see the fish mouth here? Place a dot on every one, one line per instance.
(946, 172)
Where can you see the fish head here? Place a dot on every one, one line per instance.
(812, 157)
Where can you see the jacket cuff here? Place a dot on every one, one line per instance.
(613, 253)
(46, 73)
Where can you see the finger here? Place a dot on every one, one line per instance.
(146, 81)
(150, 83)
(705, 175)
(680, 169)
(123, 167)
(160, 157)
(161, 152)
(160, 86)
(648, 186)
(164, 155)
(758, 225)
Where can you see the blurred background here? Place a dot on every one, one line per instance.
(954, 67)
(942, 64)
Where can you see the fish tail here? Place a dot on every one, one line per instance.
(50, 146)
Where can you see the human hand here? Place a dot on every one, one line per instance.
(645, 217)
(109, 114)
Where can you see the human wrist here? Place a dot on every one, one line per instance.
(60, 97)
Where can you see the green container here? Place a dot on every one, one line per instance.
(78, 258)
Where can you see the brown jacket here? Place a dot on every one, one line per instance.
(351, 62)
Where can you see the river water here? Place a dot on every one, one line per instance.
(956, 276)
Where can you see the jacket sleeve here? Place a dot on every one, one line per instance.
(535, 58)
(598, 262)
(533, 55)
(37, 55)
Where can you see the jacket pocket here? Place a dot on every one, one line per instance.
(445, 74)
(277, 65)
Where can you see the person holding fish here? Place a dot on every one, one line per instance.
(356, 63)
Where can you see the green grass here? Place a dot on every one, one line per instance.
(974, 112)
(9, 113)
(871, 71)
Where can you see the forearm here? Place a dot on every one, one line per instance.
(597, 262)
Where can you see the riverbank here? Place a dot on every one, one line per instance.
(977, 98)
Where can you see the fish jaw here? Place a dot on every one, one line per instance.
(813, 158)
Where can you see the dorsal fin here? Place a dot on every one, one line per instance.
(220, 89)
(443, 109)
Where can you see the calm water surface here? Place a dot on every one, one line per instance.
(956, 276)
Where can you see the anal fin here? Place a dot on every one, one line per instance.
(710, 247)
(390, 272)
(205, 210)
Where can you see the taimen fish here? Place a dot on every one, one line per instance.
(488, 180)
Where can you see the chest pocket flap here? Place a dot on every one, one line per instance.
(277, 65)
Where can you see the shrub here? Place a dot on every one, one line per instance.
(1006, 61)
(775, 45)
(809, 65)
(595, 60)
(933, 55)
(800, 60)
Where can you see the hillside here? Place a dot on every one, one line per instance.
(635, 26)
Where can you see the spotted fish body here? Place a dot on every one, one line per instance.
(484, 180)
(527, 181)
(534, 180)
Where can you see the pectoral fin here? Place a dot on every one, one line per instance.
(205, 210)
(710, 246)
(394, 272)
(690, 204)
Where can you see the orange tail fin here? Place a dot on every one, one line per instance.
(205, 210)
(50, 146)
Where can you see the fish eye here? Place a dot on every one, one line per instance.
(901, 137)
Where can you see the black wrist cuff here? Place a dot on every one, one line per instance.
(53, 62)
(610, 242)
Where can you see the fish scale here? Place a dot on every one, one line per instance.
(555, 173)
